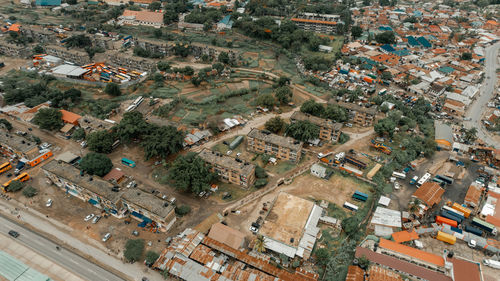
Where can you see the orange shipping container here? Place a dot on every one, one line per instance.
(441, 220)
(462, 209)
(368, 79)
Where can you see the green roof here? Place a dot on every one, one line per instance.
(12, 269)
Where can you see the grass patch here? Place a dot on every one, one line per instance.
(235, 191)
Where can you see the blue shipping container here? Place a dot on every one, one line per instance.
(473, 230)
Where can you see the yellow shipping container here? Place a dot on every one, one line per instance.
(462, 209)
(445, 237)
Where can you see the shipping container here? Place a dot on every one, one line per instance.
(484, 225)
(451, 216)
(464, 210)
(455, 212)
(399, 175)
(474, 230)
(445, 237)
(456, 229)
(450, 222)
(350, 206)
(368, 80)
(446, 179)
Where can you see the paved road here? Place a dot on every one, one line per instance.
(487, 92)
(65, 258)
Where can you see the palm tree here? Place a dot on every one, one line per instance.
(260, 244)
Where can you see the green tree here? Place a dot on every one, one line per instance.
(38, 49)
(259, 243)
(154, 6)
(112, 89)
(385, 126)
(224, 58)
(162, 142)
(466, 56)
(96, 164)
(386, 37)
(386, 75)
(260, 172)
(14, 186)
(30, 191)
(282, 81)
(336, 113)
(266, 100)
(151, 257)
(312, 107)
(283, 94)
(350, 225)
(101, 141)
(356, 31)
(218, 66)
(182, 210)
(190, 174)
(303, 131)
(132, 126)
(134, 249)
(274, 124)
(6, 124)
(163, 65)
(49, 119)
(260, 183)
(322, 256)
(78, 134)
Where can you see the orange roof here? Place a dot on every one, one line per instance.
(473, 194)
(227, 235)
(355, 273)
(377, 273)
(314, 21)
(145, 16)
(411, 252)
(430, 193)
(438, 51)
(492, 22)
(14, 27)
(404, 236)
(69, 117)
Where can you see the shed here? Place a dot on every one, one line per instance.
(430, 193)
(386, 217)
(236, 142)
(116, 174)
(70, 117)
(227, 235)
(384, 201)
(318, 171)
(67, 157)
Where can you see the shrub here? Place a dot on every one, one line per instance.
(30, 191)
(182, 210)
(134, 249)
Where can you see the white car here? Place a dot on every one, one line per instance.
(396, 185)
(49, 203)
(88, 217)
(96, 219)
(106, 237)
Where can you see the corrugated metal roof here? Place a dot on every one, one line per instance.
(386, 217)
(12, 269)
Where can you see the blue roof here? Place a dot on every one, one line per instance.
(226, 20)
(385, 28)
(368, 61)
(446, 69)
(412, 41)
(401, 53)
(48, 2)
(387, 48)
(424, 42)
(417, 14)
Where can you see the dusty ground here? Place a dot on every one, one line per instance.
(12, 63)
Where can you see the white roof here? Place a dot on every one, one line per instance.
(71, 70)
(488, 210)
(470, 91)
(386, 217)
(328, 220)
(384, 201)
(312, 222)
(383, 231)
(279, 247)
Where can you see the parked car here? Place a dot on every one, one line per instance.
(106, 237)
(96, 219)
(253, 229)
(349, 125)
(49, 203)
(88, 217)
(13, 233)
(45, 145)
(135, 233)
(396, 185)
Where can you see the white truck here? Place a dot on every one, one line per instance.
(492, 263)
(399, 175)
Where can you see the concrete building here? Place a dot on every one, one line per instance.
(290, 228)
(321, 23)
(318, 170)
(146, 207)
(14, 145)
(149, 18)
(328, 130)
(88, 188)
(385, 221)
(229, 169)
(283, 148)
(359, 115)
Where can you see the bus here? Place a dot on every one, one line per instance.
(484, 225)
(440, 182)
(5, 167)
(360, 196)
(22, 177)
(423, 179)
(128, 162)
(350, 206)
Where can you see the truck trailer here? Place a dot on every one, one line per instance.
(445, 237)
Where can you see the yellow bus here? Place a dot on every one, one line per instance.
(22, 177)
(5, 167)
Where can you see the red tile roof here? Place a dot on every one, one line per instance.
(411, 252)
(430, 193)
(377, 273)
(403, 266)
(465, 270)
(355, 273)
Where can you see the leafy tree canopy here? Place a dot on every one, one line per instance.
(189, 173)
(48, 119)
(101, 141)
(112, 89)
(96, 164)
(162, 142)
(132, 126)
(303, 131)
(386, 37)
(274, 124)
(283, 94)
(134, 249)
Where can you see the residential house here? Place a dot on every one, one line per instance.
(283, 148)
(229, 169)
(70, 117)
(318, 170)
(328, 130)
